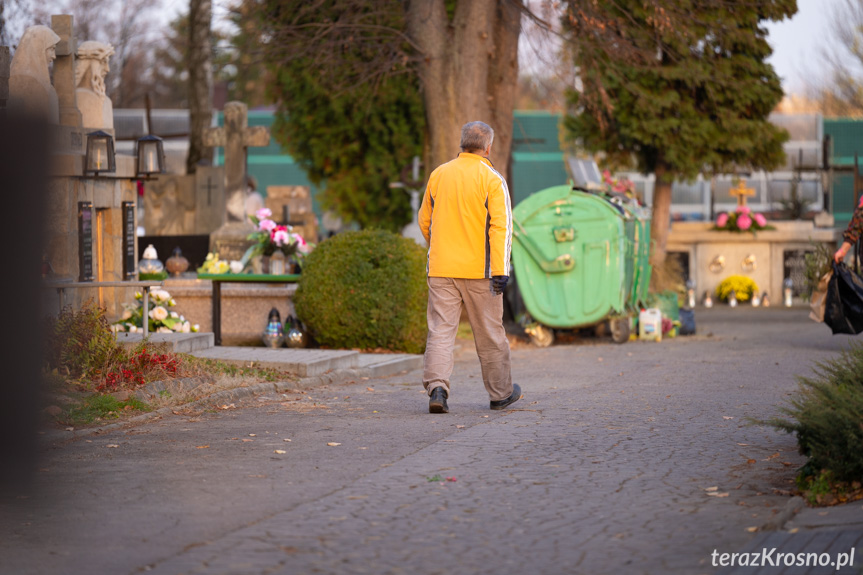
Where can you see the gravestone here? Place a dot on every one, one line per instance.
(229, 241)
(169, 205)
(209, 199)
(292, 205)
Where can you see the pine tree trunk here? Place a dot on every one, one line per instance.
(469, 67)
(200, 80)
(660, 223)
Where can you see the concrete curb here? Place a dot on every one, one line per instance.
(335, 377)
(777, 523)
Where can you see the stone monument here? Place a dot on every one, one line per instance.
(169, 206)
(30, 89)
(236, 135)
(92, 66)
(64, 72)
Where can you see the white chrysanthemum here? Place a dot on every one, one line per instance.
(236, 266)
(186, 327)
(175, 315)
(163, 329)
(116, 328)
(158, 313)
(195, 328)
(133, 328)
(177, 327)
(127, 314)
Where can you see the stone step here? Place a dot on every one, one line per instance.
(384, 364)
(301, 362)
(176, 342)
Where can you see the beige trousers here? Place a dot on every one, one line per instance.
(485, 312)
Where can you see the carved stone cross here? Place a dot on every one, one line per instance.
(236, 136)
(64, 70)
(741, 191)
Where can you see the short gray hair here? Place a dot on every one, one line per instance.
(476, 136)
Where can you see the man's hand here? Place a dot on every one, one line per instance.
(498, 284)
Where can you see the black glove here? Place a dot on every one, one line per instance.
(498, 284)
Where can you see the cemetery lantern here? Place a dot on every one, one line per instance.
(150, 156)
(100, 153)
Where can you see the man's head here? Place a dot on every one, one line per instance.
(476, 138)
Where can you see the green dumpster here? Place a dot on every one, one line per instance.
(580, 259)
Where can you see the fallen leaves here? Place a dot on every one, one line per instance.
(228, 406)
(280, 451)
(727, 417)
(370, 389)
(112, 445)
(752, 529)
(333, 444)
(202, 447)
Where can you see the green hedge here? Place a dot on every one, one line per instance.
(828, 417)
(365, 290)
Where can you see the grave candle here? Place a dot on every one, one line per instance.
(150, 161)
(99, 158)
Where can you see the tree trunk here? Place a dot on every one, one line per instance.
(200, 80)
(661, 219)
(467, 72)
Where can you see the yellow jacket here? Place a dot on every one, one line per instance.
(466, 219)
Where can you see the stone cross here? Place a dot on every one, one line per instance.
(236, 136)
(64, 70)
(741, 191)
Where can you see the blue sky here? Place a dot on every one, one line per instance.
(796, 42)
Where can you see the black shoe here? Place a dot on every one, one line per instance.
(437, 401)
(503, 403)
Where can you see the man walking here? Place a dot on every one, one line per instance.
(467, 221)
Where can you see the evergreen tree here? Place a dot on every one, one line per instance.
(352, 135)
(680, 86)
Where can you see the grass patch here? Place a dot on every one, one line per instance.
(103, 407)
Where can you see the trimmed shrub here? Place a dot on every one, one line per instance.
(828, 417)
(365, 290)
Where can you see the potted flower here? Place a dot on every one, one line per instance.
(270, 238)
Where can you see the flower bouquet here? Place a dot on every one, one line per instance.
(271, 237)
(213, 265)
(159, 319)
(743, 287)
(743, 219)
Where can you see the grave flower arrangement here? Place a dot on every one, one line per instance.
(743, 287)
(159, 318)
(742, 219)
(271, 237)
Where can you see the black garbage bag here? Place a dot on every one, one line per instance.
(843, 309)
(687, 321)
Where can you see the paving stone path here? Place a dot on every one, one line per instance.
(637, 458)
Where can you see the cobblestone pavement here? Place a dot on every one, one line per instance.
(635, 458)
